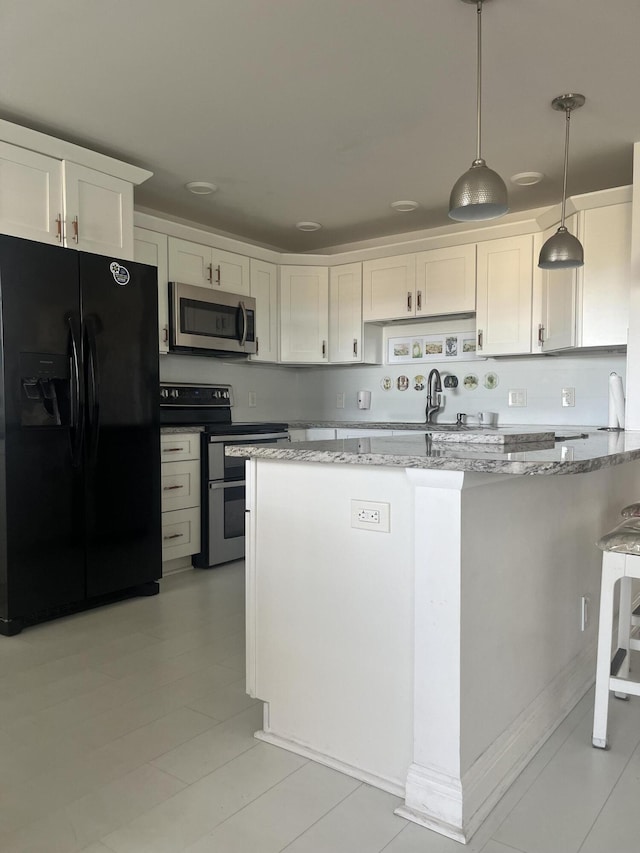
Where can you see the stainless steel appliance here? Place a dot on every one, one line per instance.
(79, 474)
(210, 322)
(223, 487)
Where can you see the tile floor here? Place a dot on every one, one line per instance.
(127, 730)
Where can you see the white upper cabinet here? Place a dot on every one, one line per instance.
(389, 288)
(504, 298)
(54, 200)
(195, 263)
(304, 314)
(150, 247)
(264, 289)
(557, 327)
(446, 281)
(98, 211)
(30, 195)
(345, 313)
(603, 283)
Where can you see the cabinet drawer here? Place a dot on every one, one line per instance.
(177, 446)
(180, 485)
(180, 533)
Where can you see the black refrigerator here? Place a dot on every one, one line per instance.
(79, 431)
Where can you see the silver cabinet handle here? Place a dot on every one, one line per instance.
(480, 336)
(75, 226)
(174, 536)
(419, 301)
(355, 347)
(324, 349)
(59, 228)
(210, 276)
(257, 345)
(173, 449)
(218, 275)
(170, 488)
(540, 334)
(409, 300)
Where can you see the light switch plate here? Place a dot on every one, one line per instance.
(517, 397)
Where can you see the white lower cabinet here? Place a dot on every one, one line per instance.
(304, 314)
(180, 483)
(504, 296)
(150, 247)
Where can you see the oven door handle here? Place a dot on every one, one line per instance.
(239, 439)
(231, 484)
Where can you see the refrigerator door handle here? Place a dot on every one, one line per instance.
(93, 390)
(76, 420)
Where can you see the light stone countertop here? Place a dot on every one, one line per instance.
(575, 456)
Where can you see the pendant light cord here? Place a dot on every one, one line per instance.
(479, 80)
(566, 166)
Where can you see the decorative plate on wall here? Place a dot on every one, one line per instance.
(470, 381)
(418, 382)
(402, 383)
(386, 383)
(490, 381)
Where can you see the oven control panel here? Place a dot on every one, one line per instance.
(195, 396)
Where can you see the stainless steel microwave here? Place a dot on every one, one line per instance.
(210, 322)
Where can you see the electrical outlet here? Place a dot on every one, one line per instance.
(517, 397)
(252, 399)
(370, 515)
(340, 400)
(568, 396)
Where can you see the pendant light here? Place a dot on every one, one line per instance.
(563, 250)
(480, 193)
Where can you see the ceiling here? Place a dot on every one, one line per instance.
(326, 110)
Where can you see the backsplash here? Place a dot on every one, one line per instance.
(310, 393)
(542, 380)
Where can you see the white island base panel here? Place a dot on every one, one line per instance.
(434, 660)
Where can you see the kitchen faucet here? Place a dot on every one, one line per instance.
(434, 389)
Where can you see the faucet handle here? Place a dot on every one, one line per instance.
(461, 419)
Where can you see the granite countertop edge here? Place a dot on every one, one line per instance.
(457, 459)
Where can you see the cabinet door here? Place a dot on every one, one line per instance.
(230, 272)
(98, 212)
(505, 282)
(150, 247)
(30, 195)
(558, 324)
(264, 289)
(304, 314)
(345, 313)
(446, 281)
(389, 288)
(190, 263)
(605, 279)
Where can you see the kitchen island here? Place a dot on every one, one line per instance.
(432, 647)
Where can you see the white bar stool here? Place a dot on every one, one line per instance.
(620, 562)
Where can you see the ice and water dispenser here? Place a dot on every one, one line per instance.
(44, 393)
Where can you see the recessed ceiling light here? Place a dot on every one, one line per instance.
(308, 226)
(526, 179)
(404, 206)
(201, 187)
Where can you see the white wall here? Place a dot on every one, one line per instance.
(633, 354)
(276, 388)
(292, 394)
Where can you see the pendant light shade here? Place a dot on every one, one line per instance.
(563, 250)
(480, 193)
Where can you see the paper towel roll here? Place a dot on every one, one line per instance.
(616, 402)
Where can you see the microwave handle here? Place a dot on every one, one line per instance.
(243, 338)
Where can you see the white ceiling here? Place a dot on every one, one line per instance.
(326, 109)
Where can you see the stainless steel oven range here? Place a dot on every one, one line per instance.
(223, 486)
